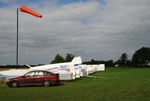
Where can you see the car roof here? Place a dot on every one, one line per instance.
(42, 71)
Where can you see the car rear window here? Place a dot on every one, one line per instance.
(47, 73)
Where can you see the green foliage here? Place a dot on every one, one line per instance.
(108, 63)
(60, 59)
(123, 59)
(114, 84)
(141, 57)
(2, 81)
(69, 57)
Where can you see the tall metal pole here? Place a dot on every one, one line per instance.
(17, 42)
(27, 10)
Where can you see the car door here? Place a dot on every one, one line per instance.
(28, 79)
(38, 78)
(51, 77)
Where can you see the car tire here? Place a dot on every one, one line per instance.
(46, 83)
(14, 84)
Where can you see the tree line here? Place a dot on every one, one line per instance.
(140, 58)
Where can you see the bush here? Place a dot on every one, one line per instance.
(2, 80)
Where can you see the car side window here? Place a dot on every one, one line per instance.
(47, 73)
(39, 73)
(36, 74)
(30, 74)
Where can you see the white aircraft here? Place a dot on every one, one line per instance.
(65, 65)
(66, 68)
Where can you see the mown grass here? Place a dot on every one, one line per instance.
(114, 84)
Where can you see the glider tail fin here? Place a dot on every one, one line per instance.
(77, 60)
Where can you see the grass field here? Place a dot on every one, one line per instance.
(114, 84)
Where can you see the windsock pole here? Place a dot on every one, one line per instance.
(17, 41)
(29, 11)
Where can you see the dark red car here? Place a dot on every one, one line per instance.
(37, 77)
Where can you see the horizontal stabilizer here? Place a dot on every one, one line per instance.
(28, 66)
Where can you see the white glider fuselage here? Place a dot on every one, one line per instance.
(66, 65)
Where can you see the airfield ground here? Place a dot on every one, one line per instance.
(114, 84)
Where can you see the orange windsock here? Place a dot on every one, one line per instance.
(29, 11)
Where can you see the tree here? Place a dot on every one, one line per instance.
(141, 57)
(109, 63)
(69, 57)
(58, 59)
(124, 59)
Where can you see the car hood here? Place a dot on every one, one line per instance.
(16, 77)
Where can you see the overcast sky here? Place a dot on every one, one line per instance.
(92, 29)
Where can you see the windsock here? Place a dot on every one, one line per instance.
(29, 11)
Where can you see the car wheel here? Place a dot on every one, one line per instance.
(14, 84)
(46, 83)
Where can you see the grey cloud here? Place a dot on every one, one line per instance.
(89, 29)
